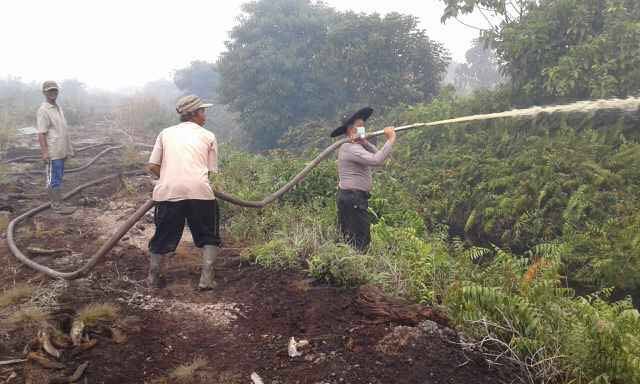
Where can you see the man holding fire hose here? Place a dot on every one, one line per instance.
(355, 161)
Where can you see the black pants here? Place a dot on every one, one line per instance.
(353, 217)
(202, 216)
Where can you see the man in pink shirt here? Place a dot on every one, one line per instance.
(183, 157)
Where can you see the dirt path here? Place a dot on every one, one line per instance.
(241, 327)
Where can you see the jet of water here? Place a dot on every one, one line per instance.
(630, 104)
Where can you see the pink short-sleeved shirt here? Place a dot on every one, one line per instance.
(186, 154)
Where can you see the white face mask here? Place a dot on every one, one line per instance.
(360, 132)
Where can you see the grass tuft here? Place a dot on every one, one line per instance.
(93, 313)
(188, 371)
(26, 317)
(15, 294)
(4, 216)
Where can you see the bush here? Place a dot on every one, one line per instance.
(340, 264)
(277, 253)
(525, 313)
(518, 183)
(494, 233)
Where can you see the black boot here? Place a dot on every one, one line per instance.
(57, 204)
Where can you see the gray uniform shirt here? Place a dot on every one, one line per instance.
(52, 122)
(355, 162)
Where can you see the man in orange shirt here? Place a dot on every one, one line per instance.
(183, 157)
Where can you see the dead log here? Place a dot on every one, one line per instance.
(77, 374)
(45, 339)
(43, 361)
(42, 251)
(380, 308)
(14, 361)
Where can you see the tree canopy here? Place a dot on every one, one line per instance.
(200, 78)
(479, 72)
(290, 61)
(558, 50)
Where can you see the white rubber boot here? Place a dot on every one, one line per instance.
(155, 261)
(209, 255)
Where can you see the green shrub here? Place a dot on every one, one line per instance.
(277, 253)
(340, 264)
(492, 221)
(554, 336)
(411, 265)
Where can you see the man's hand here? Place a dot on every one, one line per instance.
(44, 148)
(153, 169)
(216, 180)
(390, 134)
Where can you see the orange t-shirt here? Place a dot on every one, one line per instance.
(186, 154)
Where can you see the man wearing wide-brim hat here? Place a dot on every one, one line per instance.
(55, 145)
(355, 162)
(183, 157)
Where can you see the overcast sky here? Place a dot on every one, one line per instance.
(116, 44)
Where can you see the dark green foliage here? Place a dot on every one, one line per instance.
(293, 61)
(520, 183)
(200, 78)
(269, 71)
(382, 61)
(556, 50)
(574, 49)
(518, 304)
(521, 309)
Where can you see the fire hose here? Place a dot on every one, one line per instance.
(630, 104)
(36, 157)
(140, 212)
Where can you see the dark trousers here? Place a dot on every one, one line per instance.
(202, 216)
(353, 218)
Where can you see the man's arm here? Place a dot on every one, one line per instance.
(42, 127)
(155, 160)
(366, 144)
(360, 155)
(44, 148)
(153, 169)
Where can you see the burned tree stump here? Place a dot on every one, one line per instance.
(380, 308)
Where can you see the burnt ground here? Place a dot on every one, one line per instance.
(241, 327)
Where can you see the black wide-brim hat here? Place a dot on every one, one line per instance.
(363, 114)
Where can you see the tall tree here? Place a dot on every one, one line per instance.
(557, 50)
(383, 61)
(200, 77)
(269, 69)
(291, 61)
(479, 72)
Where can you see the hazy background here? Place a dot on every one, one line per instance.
(117, 45)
